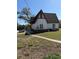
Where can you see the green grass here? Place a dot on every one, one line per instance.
(20, 44)
(22, 35)
(32, 42)
(37, 42)
(53, 35)
(22, 39)
(53, 56)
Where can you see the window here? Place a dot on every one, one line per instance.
(42, 16)
(41, 26)
(39, 16)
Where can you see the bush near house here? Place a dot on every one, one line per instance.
(20, 27)
(53, 56)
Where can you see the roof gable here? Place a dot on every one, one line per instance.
(50, 17)
(34, 19)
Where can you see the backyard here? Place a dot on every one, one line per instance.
(35, 48)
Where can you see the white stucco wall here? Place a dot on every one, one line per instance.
(45, 24)
(50, 25)
(38, 22)
(56, 25)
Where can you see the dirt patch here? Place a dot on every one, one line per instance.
(38, 52)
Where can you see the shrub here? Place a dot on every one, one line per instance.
(20, 27)
(53, 56)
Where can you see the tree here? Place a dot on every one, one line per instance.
(20, 27)
(25, 14)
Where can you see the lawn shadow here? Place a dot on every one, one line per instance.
(39, 31)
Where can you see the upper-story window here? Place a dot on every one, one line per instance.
(42, 16)
(39, 16)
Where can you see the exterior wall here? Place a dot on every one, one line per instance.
(56, 25)
(46, 25)
(50, 25)
(36, 26)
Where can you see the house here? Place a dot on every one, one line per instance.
(44, 21)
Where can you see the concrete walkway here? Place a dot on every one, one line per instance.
(57, 41)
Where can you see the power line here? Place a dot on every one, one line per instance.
(27, 5)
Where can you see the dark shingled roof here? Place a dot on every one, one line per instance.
(50, 17)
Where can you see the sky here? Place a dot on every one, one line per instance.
(48, 6)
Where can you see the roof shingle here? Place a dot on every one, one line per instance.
(50, 17)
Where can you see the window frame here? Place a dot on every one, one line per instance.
(41, 26)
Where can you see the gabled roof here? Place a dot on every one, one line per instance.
(50, 17)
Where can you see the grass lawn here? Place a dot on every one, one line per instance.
(35, 48)
(53, 35)
(21, 40)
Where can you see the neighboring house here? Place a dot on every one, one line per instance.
(45, 21)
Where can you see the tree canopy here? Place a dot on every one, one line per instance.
(25, 14)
